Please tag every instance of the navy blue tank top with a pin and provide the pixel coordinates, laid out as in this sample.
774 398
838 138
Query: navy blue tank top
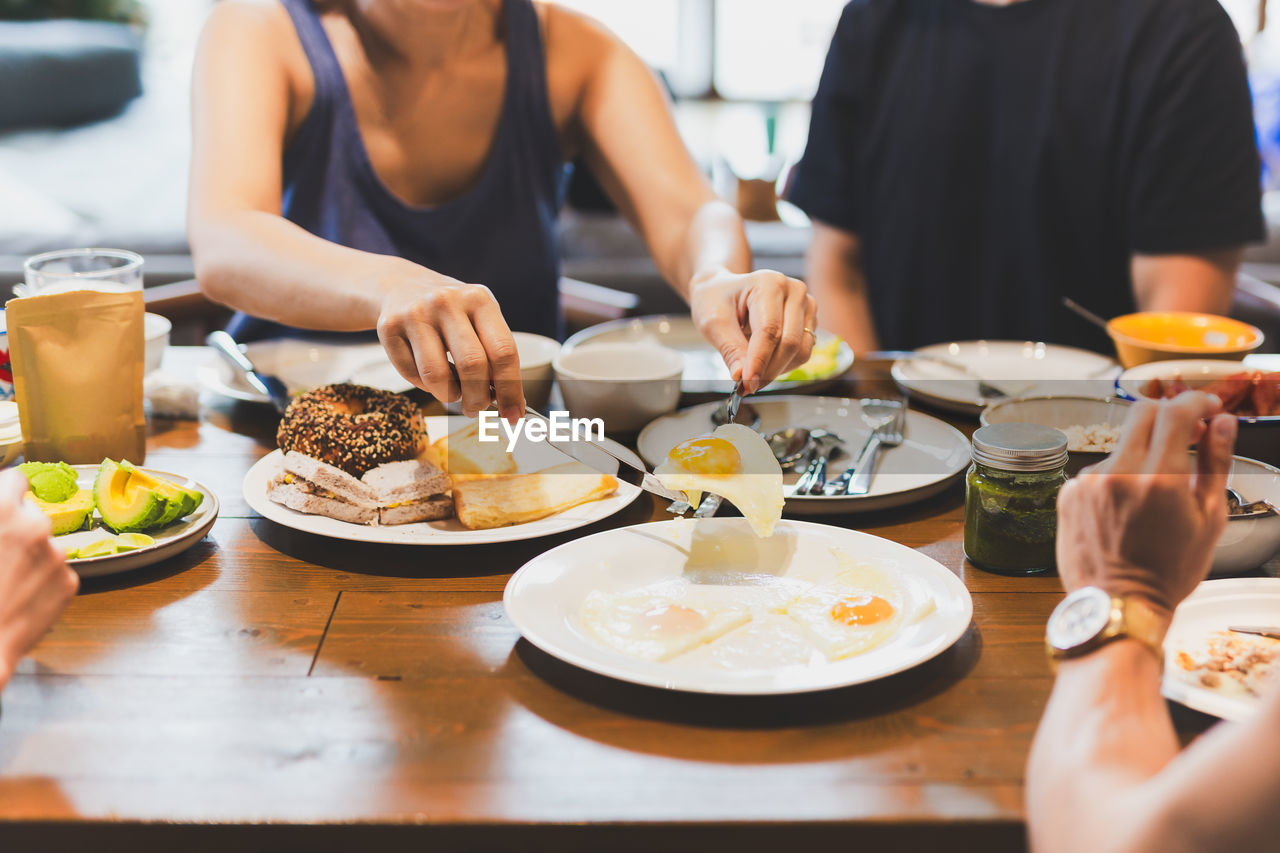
500 233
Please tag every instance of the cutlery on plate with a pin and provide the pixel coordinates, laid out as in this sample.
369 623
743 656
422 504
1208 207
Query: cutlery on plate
1238 508
879 415
264 383
825 445
887 435
1260 630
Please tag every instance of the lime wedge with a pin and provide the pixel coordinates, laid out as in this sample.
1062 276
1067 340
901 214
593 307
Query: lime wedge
98 549
133 541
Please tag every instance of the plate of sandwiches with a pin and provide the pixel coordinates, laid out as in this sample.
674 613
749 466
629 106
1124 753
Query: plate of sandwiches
458 490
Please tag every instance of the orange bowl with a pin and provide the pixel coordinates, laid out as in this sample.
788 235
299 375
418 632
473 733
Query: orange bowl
1160 335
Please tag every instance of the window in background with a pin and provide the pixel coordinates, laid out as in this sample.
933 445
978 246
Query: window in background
770 51
666 34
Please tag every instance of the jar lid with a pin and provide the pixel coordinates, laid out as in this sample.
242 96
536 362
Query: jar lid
1020 447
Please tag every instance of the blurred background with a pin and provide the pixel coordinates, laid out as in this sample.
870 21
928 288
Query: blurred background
94 136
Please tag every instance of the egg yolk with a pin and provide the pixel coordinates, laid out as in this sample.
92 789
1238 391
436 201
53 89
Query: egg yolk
673 619
707 455
861 610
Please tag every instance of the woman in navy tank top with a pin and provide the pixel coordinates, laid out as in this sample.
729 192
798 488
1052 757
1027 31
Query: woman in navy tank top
398 165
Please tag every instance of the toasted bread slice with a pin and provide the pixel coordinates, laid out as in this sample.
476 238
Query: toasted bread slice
497 501
462 452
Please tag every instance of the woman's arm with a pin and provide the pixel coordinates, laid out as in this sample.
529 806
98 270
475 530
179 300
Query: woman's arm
696 240
833 264
249 257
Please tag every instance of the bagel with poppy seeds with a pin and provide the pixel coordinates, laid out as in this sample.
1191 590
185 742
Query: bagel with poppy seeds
354 428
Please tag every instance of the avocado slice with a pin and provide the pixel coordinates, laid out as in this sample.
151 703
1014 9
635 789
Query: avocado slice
101 548
69 515
124 503
183 500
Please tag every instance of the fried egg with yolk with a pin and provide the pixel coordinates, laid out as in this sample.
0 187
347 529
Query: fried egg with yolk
859 609
735 463
657 625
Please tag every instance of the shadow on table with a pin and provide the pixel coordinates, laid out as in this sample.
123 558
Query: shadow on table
857 703
415 561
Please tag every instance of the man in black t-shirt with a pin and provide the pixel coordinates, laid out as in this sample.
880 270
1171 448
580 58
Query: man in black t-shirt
970 163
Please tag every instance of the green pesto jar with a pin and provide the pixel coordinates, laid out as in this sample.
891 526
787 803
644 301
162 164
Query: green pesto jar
1011 498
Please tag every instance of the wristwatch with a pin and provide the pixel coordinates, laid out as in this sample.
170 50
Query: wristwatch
1091 617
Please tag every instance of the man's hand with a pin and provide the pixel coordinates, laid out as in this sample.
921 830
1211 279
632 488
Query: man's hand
35 581
762 322
422 320
1145 520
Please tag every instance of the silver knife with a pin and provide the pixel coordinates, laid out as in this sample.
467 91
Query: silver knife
1260 630
625 470
266 385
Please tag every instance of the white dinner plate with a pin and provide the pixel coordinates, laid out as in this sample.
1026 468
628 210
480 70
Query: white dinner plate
1019 368
529 457
301 365
765 656
704 369
930 457
171 539
1214 606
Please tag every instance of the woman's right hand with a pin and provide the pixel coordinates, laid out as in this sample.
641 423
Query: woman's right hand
35 581
421 321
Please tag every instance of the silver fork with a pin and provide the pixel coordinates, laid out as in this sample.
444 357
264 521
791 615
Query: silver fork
888 435
709 506
825 444
876 414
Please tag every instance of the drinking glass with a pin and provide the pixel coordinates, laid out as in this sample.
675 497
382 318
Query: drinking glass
113 270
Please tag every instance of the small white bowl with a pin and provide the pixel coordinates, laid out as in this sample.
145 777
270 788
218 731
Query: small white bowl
1061 412
1249 542
537 354
155 332
10 433
624 383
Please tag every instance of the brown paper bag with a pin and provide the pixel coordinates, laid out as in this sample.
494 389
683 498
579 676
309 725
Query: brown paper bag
77 375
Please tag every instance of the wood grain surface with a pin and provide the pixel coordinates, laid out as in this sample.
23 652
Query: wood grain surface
270 689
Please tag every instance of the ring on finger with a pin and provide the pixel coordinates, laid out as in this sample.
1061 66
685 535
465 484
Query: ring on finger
811 332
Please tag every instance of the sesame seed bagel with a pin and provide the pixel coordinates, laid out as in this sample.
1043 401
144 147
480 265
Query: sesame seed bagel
352 427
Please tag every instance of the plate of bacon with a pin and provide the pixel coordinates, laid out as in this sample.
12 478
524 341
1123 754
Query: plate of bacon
1249 393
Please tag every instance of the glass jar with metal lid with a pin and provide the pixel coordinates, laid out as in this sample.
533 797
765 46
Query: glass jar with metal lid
1011 497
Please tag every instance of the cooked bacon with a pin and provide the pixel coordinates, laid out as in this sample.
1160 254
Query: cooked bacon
1245 394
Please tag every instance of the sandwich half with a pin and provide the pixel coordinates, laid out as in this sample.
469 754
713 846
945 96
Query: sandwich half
414 490
316 488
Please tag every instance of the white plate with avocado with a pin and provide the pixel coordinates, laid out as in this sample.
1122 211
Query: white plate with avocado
170 538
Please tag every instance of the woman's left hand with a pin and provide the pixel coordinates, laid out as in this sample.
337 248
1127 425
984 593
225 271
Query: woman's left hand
763 323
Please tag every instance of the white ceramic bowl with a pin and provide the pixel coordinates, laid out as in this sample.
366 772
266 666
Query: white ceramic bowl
536 373
155 331
624 383
1257 438
1249 542
1061 412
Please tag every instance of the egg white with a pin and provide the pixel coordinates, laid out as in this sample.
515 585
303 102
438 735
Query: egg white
811 610
619 620
756 490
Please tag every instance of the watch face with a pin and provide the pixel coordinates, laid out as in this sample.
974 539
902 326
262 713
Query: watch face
1080 617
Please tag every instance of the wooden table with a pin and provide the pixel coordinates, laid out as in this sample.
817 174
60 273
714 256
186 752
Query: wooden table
273 689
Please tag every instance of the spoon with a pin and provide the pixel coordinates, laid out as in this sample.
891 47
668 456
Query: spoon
1237 508
789 445
1081 311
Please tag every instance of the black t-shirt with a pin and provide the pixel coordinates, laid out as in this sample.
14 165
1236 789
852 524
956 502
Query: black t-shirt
993 159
